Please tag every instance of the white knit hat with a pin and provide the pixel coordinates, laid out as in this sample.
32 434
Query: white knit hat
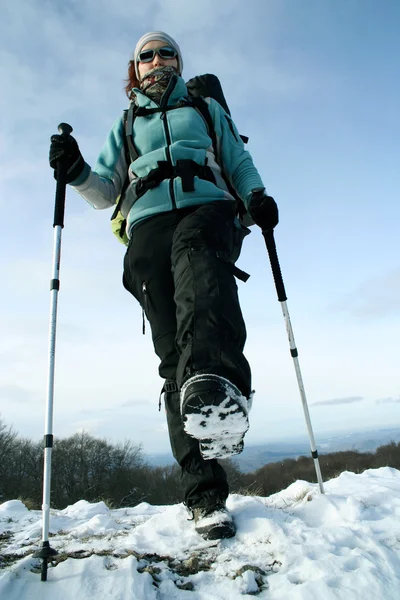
163 37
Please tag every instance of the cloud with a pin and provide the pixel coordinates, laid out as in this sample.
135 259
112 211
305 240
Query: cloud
335 401
388 400
16 393
376 297
132 404
149 430
135 403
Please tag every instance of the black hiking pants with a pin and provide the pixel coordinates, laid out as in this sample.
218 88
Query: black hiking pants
179 266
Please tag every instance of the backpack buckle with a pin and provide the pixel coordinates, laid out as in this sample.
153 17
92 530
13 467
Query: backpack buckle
170 386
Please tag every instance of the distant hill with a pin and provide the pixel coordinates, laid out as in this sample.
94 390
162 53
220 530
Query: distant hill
254 457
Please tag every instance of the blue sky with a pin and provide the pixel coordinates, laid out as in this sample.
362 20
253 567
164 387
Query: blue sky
315 86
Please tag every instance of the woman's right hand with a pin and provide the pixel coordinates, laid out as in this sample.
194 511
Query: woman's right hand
264 210
64 148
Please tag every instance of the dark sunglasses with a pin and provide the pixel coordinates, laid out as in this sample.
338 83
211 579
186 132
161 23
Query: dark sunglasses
166 52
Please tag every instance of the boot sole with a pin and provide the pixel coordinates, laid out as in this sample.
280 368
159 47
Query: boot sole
222 448
218 532
215 413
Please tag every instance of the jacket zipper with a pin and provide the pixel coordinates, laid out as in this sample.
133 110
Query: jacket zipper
145 306
163 116
168 153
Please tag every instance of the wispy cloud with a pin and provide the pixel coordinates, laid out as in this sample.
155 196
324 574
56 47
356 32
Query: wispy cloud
376 297
389 400
127 404
15 393
335 401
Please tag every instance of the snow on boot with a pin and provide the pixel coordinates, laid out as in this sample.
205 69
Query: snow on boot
214 523
221 448
215 413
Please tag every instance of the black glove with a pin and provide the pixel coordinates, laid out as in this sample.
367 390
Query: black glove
64 148
264 210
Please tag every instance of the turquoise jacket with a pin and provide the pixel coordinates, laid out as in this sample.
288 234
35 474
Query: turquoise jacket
176 134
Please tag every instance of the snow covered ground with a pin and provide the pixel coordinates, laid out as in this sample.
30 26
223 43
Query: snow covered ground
297 544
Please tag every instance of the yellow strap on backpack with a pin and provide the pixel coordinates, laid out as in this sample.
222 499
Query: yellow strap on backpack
118 227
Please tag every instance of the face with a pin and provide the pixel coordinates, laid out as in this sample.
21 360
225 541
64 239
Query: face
157 60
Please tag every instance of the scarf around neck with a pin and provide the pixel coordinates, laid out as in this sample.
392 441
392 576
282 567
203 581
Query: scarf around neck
155 82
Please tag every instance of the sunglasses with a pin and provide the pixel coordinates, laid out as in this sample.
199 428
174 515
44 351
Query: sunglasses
166 52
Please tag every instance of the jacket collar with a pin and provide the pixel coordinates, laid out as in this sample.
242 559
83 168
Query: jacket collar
175 91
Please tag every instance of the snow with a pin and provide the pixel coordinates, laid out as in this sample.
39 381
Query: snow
294 545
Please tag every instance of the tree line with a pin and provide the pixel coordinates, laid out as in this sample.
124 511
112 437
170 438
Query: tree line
88 468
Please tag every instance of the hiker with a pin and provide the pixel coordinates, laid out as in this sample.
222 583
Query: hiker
183 240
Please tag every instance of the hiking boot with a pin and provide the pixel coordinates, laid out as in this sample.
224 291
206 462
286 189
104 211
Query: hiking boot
214 523
215 413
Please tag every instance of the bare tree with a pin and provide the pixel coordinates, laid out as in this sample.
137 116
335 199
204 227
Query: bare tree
7 443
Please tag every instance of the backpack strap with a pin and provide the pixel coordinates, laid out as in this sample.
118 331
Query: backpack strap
131 154
128 118
142 111
201 105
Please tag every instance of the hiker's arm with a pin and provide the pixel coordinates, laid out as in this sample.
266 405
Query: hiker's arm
237 161
102 185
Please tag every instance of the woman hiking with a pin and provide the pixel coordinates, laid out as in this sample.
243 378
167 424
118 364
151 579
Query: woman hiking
184 238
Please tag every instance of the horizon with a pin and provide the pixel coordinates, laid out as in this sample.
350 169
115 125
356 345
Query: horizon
301 439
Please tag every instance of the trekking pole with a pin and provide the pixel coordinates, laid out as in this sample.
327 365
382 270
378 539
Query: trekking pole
280 289
46 552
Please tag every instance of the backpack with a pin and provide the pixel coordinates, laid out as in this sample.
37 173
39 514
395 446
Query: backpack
199 87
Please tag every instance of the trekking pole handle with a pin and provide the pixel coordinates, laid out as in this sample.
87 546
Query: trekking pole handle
59 207
65 129
275 266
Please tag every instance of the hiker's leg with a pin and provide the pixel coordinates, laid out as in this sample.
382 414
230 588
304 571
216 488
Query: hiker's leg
201 479
211 331
147 276
148 260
